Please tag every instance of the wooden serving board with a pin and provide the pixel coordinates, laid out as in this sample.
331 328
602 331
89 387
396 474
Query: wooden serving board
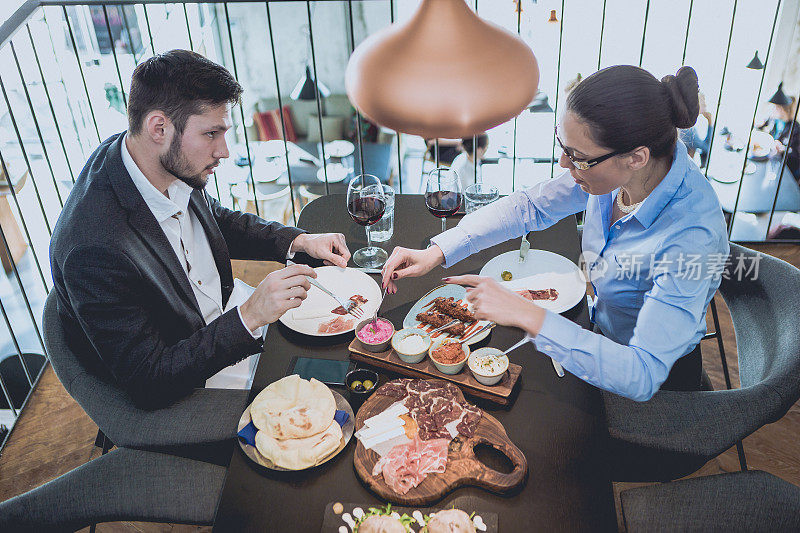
425 369
463 468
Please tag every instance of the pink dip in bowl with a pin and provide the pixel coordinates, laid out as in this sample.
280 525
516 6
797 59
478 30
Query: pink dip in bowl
375 333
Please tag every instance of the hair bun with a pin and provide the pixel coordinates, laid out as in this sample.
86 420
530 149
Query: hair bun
682 90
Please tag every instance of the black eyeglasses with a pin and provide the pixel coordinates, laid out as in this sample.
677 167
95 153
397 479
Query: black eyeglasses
587 164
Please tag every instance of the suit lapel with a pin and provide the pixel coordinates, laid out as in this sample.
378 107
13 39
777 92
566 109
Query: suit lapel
218 246
146 226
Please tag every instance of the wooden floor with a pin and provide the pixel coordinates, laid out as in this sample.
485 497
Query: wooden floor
54 435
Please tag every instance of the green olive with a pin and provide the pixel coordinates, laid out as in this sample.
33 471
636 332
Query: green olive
368 384
506 275
360 387
355 385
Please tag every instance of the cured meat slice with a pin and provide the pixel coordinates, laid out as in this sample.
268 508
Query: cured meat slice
445 411
434 404
407 465
357 298
337 324
538 294
397 388
422 385
468 422
437 433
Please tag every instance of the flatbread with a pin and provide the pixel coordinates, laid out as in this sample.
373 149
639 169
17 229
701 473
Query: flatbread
297 454
293 408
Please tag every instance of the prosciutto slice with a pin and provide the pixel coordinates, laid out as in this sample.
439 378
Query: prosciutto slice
406 465
337 324
540 294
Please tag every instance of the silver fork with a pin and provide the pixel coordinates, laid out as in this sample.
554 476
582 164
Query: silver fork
437 330
524 247
375 318
489 325
349 305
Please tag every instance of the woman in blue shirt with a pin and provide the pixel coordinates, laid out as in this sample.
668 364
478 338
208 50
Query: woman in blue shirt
654 239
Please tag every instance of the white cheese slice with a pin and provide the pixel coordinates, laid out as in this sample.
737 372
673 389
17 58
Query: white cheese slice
382 437
391 412
368 432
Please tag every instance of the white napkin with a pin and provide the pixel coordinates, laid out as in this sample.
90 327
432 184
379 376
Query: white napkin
240 375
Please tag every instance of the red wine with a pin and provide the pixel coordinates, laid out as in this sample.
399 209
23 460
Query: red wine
443 203
366 210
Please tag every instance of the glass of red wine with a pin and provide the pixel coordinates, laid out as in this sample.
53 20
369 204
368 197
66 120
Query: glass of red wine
443 193
366 203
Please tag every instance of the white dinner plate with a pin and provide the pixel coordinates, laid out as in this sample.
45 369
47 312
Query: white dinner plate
456 291
540 270
336 173
268 171
270 149
339 148
343 282
761 144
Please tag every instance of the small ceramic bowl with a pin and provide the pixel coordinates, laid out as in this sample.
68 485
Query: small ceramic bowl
361 374
444 368
487 378
381 346
411 357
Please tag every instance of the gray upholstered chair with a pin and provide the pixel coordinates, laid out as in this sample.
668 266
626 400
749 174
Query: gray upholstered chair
675 433
201 421
740 501
121 485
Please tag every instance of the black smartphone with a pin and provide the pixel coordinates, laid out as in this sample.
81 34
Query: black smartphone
328 371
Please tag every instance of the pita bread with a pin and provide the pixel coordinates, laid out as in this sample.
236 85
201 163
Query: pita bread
293 408
296 454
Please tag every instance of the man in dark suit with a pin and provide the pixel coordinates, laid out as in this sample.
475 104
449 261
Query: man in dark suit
141 254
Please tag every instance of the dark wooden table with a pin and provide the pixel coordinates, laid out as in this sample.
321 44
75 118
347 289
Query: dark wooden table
557 423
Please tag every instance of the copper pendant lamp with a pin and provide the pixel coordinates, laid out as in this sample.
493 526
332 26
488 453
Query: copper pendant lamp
443 73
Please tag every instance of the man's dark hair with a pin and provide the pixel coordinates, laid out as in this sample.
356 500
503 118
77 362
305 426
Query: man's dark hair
180 83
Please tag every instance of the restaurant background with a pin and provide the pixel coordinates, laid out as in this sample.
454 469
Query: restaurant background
65 71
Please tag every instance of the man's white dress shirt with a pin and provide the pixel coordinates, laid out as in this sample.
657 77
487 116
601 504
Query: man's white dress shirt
190 243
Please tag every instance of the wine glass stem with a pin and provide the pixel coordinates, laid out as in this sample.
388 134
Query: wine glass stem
369 236
444 223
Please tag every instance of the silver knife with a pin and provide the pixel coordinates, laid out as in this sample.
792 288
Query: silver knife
524 247
558 368
344 303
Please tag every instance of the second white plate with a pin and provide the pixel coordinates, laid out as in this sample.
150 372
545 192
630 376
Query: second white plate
540 270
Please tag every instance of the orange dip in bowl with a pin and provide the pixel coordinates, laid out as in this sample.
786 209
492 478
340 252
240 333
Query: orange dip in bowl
449 353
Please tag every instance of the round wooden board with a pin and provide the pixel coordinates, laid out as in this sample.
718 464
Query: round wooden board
463 468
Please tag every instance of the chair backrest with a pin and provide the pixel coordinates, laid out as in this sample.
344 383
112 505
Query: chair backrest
65 364
701 425
94 394
763 296
118 416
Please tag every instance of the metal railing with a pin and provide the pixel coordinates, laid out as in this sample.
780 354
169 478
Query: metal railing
71 108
